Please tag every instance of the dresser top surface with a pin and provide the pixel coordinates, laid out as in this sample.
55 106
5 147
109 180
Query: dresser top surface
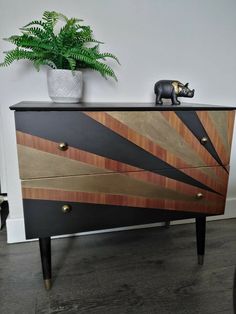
112 106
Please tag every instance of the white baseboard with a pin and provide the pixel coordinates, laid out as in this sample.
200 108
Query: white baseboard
15 230
16 227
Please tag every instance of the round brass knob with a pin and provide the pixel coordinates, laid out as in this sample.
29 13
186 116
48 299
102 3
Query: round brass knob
63 146
66 209
204 140
199 196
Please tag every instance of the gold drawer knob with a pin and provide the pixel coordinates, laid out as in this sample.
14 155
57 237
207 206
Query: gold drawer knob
63 146
204 140
66 209
199 196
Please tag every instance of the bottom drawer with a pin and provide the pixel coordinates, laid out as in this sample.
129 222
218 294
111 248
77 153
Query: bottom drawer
47 218
191 190
120 199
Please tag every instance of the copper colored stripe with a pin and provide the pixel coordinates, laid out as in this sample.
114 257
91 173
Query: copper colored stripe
201 206
230 129
214 136
72 153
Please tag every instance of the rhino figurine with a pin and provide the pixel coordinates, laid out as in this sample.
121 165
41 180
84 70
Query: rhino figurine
171 89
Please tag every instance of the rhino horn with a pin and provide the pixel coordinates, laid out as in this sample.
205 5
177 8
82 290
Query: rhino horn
186 85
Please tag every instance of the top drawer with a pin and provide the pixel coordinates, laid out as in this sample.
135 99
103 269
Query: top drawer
120 141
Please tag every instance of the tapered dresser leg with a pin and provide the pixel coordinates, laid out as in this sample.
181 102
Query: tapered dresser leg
201 235
45 252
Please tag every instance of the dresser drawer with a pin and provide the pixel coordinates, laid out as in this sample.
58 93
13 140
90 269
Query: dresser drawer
103 142
134 189
46 218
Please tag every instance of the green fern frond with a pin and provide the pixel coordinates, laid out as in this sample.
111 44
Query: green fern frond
40 62
35 22
31 42
19 54
108 55
104 69
70 48
95 48
34 31
79 56
63 17
72 63
50 18
13 39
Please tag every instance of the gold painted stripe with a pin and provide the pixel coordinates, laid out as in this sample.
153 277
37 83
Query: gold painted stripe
34 163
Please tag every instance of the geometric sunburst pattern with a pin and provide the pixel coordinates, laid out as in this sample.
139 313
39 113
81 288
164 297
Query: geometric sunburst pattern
141 159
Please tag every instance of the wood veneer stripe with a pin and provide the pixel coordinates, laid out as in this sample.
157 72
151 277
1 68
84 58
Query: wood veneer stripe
200 206
230 129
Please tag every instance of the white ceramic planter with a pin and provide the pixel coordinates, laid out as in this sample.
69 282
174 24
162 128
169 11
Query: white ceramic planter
64 86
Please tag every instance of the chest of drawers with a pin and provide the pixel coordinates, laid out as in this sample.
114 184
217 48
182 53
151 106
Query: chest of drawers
95 166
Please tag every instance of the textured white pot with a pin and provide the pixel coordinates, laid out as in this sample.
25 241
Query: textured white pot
64 85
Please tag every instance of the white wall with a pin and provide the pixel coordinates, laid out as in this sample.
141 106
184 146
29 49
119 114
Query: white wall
188 40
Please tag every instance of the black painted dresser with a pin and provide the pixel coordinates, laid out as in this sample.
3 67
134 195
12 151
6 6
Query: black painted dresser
94 166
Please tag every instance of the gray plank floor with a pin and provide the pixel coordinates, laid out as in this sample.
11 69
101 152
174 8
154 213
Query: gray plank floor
148 271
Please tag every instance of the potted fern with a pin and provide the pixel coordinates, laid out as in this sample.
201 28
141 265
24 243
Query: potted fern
66 51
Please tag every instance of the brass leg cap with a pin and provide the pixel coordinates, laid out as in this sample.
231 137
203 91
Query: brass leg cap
200 259
47 284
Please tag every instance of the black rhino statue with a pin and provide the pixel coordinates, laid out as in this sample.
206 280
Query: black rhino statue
171 90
